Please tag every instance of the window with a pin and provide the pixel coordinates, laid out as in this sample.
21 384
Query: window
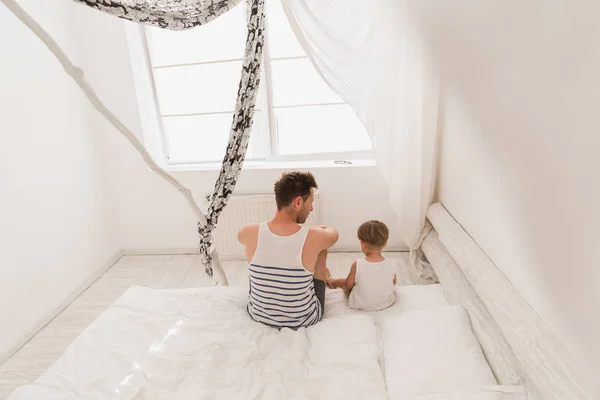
195 81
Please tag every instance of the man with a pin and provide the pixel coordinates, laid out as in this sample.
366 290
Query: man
287 262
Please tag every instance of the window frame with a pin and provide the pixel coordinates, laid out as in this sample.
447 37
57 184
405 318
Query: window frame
265 143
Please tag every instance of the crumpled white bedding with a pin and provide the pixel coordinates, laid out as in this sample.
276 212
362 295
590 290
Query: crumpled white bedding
201 344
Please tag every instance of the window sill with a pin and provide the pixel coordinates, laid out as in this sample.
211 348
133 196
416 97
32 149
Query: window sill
277 164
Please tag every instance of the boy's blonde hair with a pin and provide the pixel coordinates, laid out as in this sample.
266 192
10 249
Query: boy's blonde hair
374 233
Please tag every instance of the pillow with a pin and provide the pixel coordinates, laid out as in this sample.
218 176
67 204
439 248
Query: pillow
481 393
432 351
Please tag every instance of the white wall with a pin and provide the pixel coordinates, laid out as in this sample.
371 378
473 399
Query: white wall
153 216
520 142
56 227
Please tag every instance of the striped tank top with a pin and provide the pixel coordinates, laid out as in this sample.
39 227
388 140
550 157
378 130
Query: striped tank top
282 291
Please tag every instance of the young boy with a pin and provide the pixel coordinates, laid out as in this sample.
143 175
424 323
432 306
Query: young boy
371 281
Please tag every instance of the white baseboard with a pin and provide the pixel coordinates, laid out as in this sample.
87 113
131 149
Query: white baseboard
68 300
160 251
234 257
176 252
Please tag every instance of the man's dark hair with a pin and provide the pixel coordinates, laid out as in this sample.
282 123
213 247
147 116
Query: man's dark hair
292 185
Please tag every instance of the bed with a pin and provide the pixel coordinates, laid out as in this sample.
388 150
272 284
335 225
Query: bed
441 341
200 343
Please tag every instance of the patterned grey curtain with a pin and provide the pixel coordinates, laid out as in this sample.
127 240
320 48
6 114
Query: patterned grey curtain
168 14
186 14
240 129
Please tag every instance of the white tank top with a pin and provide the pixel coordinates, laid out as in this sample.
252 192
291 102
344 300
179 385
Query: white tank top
374 285
282 291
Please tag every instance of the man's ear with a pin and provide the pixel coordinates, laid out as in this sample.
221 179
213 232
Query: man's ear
298 201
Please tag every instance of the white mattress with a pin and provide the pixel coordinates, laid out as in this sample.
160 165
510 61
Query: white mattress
200 343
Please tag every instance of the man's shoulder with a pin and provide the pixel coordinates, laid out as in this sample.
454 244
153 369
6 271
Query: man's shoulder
314 229
251 227
248 232
323 236
316 232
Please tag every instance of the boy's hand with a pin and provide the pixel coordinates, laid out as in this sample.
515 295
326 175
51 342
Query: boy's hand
330 283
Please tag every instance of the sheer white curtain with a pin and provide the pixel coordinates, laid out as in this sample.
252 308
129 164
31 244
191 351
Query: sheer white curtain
369 53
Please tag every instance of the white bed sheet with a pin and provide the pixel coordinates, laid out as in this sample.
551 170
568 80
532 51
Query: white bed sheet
201 344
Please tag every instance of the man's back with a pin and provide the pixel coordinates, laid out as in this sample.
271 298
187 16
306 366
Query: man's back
287 263
316 241
282 291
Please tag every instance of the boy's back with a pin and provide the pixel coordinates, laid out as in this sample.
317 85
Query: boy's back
374 285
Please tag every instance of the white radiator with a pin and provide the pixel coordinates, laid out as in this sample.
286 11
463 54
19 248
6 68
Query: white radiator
247 209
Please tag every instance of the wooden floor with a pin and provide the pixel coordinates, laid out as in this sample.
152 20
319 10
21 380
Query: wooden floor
173 271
